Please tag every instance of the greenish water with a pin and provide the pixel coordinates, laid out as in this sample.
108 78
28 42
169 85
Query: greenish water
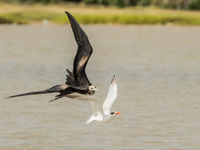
158 96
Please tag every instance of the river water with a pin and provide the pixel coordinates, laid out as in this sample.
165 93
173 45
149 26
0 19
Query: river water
158 72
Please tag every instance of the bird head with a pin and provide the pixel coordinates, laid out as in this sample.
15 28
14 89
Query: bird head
92 89
115 113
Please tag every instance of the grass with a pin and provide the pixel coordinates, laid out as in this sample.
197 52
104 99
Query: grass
20 14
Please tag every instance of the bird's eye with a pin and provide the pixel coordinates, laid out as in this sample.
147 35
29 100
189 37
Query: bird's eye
92 88
112 113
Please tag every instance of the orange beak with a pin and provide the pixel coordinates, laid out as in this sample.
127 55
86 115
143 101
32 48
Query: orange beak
117 113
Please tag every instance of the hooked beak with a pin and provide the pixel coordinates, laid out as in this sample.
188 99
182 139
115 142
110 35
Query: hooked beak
117 113
96 89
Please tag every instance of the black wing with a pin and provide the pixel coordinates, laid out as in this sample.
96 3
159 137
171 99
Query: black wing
82 56
56 88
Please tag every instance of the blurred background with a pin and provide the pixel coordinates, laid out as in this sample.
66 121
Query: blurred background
182 12
173 4
153 48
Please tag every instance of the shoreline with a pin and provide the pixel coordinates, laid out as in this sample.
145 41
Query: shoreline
29 14
108 24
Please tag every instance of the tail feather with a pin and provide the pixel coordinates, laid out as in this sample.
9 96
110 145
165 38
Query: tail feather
57 88
63 93
57 97
91 119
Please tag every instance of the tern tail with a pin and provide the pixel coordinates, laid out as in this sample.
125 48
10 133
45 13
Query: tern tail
56 88
91 119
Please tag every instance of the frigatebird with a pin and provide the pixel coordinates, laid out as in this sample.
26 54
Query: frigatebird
77 80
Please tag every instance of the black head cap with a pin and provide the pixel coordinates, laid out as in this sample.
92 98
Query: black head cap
112 113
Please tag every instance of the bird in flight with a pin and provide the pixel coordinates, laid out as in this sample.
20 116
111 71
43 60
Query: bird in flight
102 112
77 80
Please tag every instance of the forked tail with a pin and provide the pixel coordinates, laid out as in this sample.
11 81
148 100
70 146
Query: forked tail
91 119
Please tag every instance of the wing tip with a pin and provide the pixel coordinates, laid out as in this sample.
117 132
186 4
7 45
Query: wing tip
13 96
5 98
68 14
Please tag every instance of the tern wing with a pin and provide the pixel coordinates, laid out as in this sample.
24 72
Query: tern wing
83 53
95 104
97 112
111 97
96 108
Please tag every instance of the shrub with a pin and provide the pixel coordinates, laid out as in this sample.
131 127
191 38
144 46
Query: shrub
145 2
194 5
90 1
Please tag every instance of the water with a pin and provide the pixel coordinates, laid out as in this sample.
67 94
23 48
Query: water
158 77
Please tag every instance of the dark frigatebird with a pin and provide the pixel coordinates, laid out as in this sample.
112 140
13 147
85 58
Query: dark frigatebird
77 80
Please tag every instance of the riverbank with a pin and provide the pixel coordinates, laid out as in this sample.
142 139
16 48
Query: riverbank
21 14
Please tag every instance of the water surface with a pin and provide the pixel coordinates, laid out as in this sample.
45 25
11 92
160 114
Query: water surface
158 71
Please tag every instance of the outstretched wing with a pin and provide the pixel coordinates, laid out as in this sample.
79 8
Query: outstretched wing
83 54
97 112
56 88
95 106
111 97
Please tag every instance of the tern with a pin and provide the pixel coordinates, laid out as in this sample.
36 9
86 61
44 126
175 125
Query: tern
77 80
102 112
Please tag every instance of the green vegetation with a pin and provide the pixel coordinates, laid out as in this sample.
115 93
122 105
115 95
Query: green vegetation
12 18
133 19
93 14
172 4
